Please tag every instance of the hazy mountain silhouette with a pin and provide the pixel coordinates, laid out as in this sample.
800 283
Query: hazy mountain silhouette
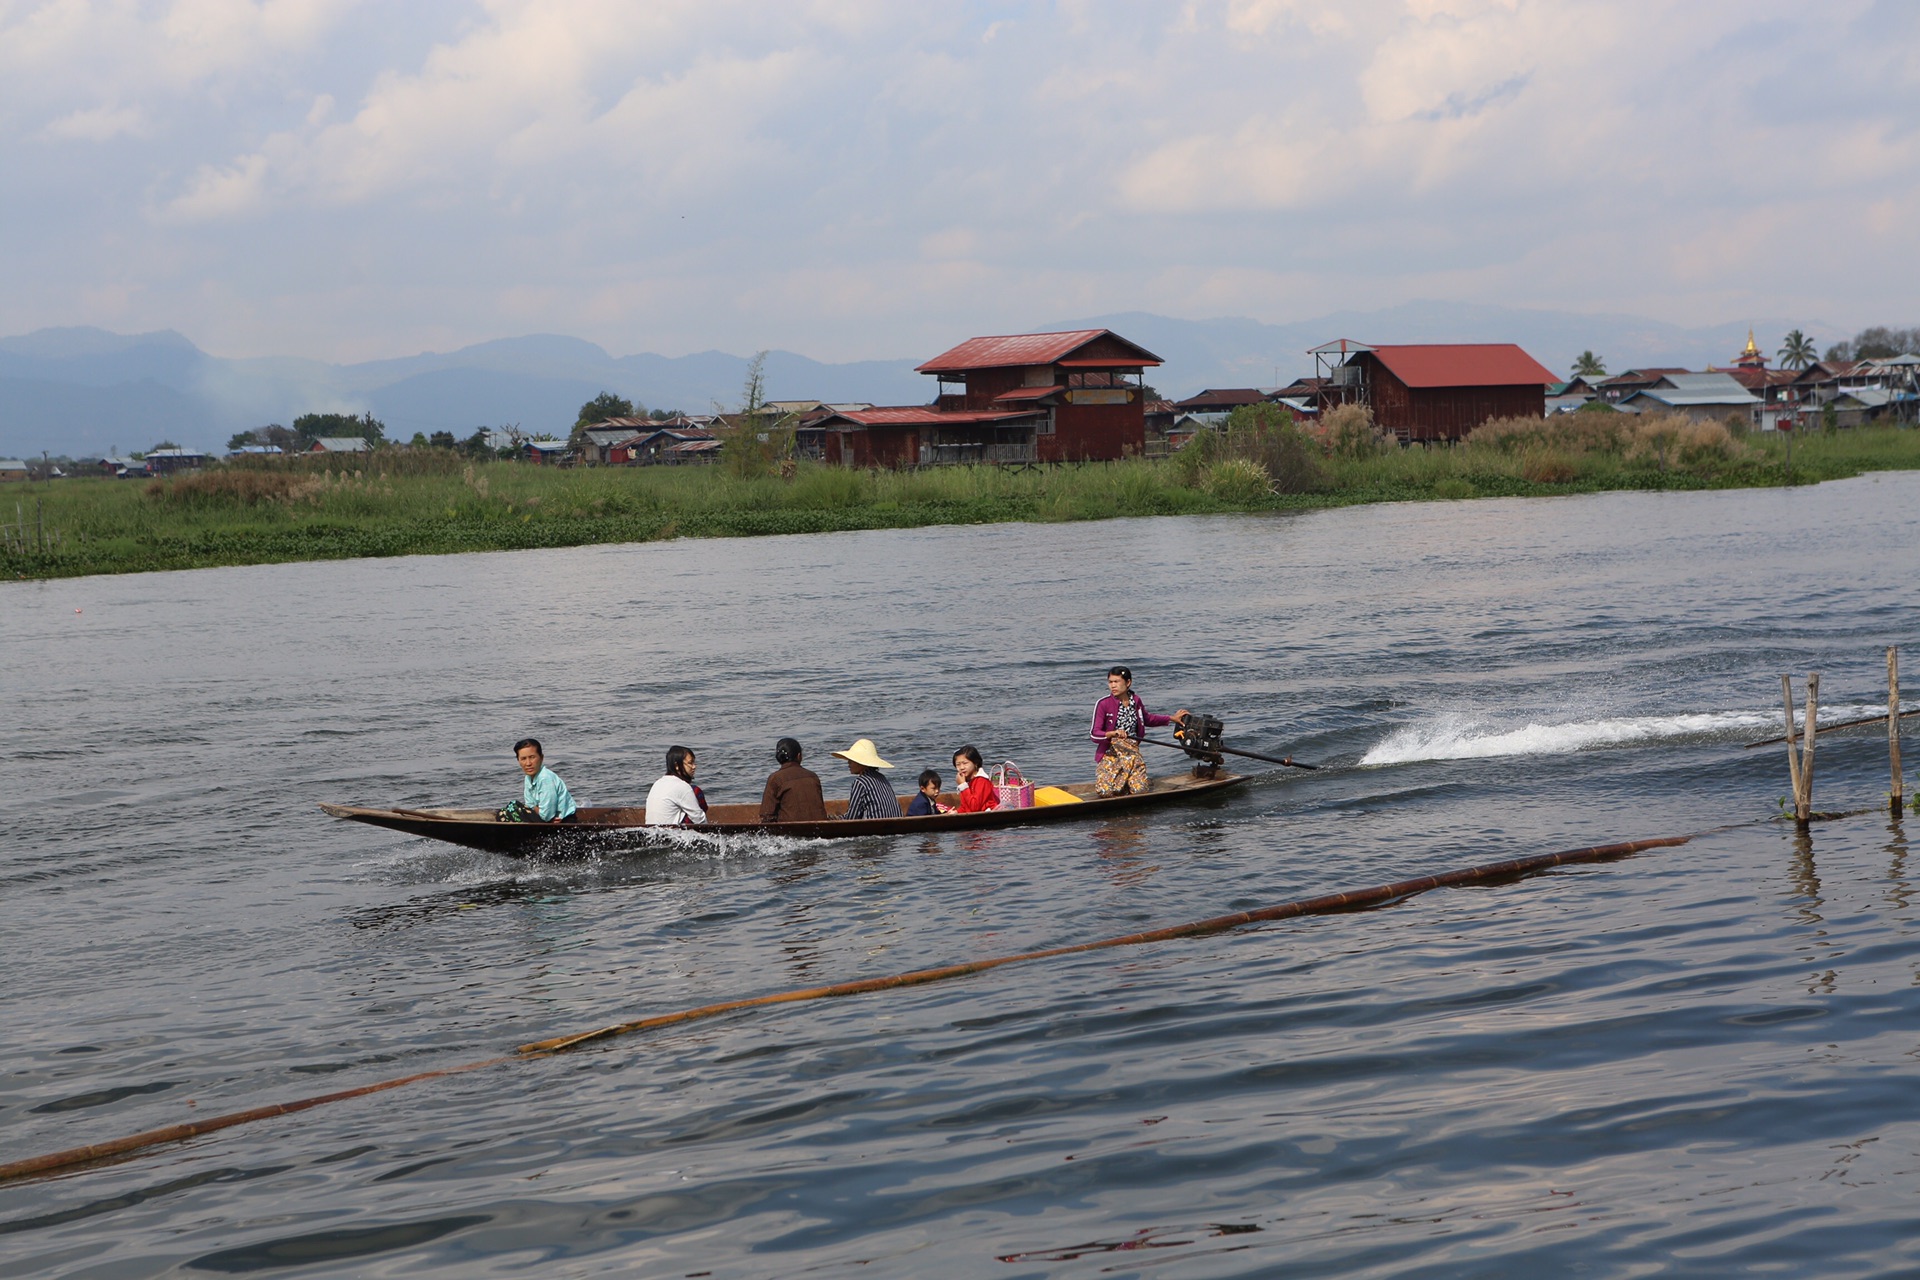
82 391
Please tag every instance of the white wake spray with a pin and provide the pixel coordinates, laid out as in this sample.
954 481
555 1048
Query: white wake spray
1460 736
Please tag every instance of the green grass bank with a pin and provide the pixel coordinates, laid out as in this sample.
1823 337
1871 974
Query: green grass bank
431 502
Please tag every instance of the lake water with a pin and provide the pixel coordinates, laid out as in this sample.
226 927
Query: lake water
1700 1061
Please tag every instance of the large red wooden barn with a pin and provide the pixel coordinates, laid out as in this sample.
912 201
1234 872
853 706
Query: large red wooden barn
1436 391
1030 397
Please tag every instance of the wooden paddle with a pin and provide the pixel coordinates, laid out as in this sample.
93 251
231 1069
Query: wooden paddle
1290 762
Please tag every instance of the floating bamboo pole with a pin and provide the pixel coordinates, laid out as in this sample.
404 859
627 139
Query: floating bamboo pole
1353 900
1829 728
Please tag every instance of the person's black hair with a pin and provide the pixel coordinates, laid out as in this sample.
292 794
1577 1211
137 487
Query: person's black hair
972 753
677 758
786 751
1125 673
926 776
524 743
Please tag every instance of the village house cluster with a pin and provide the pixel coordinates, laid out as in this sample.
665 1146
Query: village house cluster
1442 391
1082 396
1846 393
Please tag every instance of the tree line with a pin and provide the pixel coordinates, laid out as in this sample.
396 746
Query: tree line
1797 350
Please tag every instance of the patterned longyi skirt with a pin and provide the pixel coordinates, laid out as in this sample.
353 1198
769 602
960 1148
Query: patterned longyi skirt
1121 770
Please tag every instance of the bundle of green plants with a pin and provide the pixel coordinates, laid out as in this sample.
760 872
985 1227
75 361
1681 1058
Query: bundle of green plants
1264 435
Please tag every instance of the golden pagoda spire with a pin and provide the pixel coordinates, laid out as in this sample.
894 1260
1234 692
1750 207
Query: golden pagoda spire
1751 350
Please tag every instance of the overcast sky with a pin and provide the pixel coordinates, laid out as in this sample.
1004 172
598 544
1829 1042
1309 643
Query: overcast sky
846 179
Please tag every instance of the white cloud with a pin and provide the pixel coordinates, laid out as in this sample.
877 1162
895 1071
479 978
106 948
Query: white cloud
222 192
98 124
865 177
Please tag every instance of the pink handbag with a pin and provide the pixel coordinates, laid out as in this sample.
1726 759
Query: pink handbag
1015 791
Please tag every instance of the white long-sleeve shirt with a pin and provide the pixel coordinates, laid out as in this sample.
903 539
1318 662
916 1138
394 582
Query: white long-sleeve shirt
672 801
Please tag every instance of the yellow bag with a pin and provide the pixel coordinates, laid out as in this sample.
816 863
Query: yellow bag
1055 795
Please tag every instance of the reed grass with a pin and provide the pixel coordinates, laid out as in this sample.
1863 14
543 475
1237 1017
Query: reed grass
430 501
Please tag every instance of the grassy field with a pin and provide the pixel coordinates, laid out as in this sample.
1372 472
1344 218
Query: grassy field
427 502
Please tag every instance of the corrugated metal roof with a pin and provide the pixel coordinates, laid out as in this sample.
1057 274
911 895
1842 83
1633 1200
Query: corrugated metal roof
926 416
1223 397
1004 350
1738 398
1702 384
1636 377
1871 397
1028 393
1468 364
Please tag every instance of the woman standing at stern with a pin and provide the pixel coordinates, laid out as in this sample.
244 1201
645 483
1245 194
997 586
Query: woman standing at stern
1119 720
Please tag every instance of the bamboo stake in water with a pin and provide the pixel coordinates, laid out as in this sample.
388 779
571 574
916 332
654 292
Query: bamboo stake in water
1803 775
1793 748
1893 727
1800 763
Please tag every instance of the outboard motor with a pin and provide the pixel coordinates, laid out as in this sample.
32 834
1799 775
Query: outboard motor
1200 735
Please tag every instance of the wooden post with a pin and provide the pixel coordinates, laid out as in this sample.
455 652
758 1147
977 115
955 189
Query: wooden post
1803 809
1897 796
1800 762
1793 746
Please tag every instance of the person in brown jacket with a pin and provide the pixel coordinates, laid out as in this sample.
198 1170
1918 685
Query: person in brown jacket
793 791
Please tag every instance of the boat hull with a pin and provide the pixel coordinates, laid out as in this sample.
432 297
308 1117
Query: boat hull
623 829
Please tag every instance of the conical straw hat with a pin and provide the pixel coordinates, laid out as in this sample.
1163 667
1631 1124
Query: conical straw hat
862 752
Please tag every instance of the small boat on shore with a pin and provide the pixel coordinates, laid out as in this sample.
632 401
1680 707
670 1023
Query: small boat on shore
618 829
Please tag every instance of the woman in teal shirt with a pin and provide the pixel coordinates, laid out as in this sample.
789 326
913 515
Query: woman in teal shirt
542 793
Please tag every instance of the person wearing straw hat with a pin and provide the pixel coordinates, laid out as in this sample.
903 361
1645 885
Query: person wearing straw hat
872 795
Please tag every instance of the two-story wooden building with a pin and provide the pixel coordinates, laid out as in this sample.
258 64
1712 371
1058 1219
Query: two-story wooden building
1088 383
1032 397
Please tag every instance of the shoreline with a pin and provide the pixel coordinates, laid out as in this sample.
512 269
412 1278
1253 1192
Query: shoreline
82 527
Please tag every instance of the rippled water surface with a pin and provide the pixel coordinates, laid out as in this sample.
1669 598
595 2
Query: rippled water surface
1698 1061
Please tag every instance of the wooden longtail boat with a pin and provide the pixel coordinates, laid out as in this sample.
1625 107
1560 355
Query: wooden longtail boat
617 829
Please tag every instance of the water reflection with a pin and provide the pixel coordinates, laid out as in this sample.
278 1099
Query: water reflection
1124 853
1899 892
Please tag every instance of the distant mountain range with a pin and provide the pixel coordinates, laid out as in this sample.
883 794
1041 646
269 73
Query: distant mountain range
86 391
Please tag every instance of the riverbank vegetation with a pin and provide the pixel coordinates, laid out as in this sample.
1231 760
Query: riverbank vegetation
425 501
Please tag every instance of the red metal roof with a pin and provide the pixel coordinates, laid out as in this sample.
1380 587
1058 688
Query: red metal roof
1222 398
924 416
1467 364
1639 377
1006 350
1027 393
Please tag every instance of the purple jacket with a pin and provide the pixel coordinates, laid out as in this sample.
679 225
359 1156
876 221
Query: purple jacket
1106 714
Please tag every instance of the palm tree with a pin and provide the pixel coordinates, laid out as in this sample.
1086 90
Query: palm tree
1589 365
1797 351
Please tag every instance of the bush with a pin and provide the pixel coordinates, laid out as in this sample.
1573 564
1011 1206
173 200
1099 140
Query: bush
1239 482
234 488
1267 435
1547 466
1348 431
1707 442
1568 433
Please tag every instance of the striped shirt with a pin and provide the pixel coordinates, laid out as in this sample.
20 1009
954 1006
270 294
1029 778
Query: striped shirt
872 797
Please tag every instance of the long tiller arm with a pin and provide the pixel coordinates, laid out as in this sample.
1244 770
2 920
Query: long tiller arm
1200 738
